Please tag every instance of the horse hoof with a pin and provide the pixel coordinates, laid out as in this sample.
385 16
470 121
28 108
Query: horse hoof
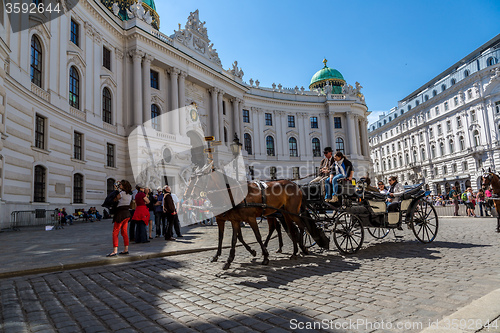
265 262
226 266
253 253
214 259
279 251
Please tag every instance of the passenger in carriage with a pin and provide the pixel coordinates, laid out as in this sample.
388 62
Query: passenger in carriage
381 188
396 190
325 165
341 169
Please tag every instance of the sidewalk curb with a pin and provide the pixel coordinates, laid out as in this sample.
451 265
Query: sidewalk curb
103 262
482 310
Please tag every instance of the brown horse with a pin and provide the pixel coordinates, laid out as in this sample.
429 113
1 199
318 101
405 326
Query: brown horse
229 203
493 180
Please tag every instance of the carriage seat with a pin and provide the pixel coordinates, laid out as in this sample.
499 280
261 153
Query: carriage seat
375 196
411 191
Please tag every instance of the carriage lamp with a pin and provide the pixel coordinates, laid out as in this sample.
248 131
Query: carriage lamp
236 146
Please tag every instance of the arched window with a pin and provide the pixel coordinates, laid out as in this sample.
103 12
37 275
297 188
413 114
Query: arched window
423 154
394 162
452 147
414 156
417 103
400 160
407 158
466 73
491 61
339 145
247 139
292 146
433 151
461 141
316 147
270 146
110 186
434 93
78 188
155 113
426 98
36 61
384 165
409 107
441 149
74 88
106 106
443 87
389 163
477 138
39 184
453 81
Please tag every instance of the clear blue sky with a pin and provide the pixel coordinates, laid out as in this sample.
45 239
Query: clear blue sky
390 47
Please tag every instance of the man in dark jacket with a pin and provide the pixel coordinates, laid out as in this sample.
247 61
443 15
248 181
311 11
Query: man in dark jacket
170 212
325 165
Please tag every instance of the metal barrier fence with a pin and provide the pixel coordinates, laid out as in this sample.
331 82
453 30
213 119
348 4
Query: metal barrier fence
449 210
32 218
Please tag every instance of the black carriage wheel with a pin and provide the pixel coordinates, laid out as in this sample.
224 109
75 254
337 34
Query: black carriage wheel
348 233
308 241
378 233
424 221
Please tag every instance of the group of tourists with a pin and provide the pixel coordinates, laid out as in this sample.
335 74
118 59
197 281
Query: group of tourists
141 208
481 198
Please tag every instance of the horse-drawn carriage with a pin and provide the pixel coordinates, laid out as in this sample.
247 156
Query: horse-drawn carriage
358 210
305 214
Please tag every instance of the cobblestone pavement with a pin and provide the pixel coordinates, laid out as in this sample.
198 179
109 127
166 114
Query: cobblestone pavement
389 282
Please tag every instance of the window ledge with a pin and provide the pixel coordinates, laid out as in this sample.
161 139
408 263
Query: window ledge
110 168
78 161
43 151
39 203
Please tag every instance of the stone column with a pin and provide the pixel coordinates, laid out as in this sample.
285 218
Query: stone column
236 107
214 115
137 85
358 135
174 119
351 134
283 140
366 144
146 72
220 118
240 119
118 110
303 136
182 102
330 131
257 139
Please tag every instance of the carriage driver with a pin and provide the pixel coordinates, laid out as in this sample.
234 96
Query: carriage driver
341 168
325 165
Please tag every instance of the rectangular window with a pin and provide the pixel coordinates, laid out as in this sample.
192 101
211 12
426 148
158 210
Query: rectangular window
224 107
106 57
246 116
497 106
295 171
469 94
337 121
437 110
291 121
40 132
455 101
446 106
448 126
110 155
155 80
314 122
459 122
77 146
75 33
269 119
440 130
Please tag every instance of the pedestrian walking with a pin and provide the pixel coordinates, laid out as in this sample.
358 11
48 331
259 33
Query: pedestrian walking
177 223
469 203
170 212
122 216
141 215
454 195
480 199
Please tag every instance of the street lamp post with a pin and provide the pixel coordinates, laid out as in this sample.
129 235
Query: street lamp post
236 150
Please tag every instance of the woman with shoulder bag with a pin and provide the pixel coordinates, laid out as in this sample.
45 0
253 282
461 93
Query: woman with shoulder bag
122 216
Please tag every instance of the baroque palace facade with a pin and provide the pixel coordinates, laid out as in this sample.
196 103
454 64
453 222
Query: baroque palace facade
72 90
447 131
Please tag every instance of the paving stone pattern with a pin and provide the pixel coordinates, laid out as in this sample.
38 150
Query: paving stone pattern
391 280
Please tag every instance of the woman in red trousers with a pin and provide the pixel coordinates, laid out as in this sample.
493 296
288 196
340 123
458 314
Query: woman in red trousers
141 215
121 216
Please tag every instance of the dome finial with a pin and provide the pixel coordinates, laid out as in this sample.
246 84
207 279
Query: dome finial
325 61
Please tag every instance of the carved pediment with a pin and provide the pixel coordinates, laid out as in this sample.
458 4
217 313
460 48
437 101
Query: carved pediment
108 80
195 36
76 58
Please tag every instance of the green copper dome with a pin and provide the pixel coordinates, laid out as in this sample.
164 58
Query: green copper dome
327 75
124 5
